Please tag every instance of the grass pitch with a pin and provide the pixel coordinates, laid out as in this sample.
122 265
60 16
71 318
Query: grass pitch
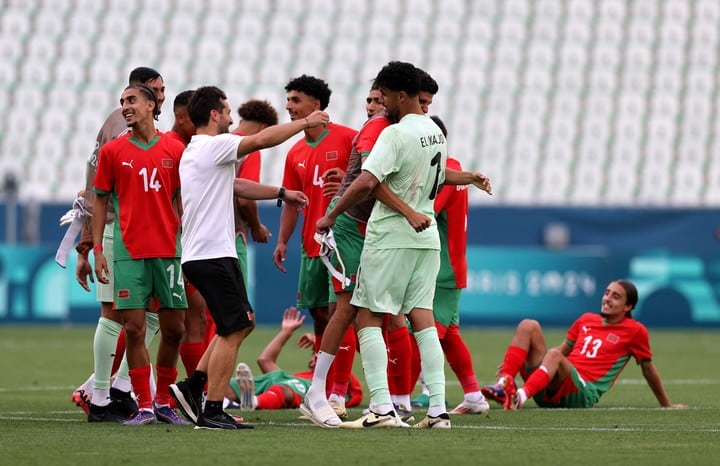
40 366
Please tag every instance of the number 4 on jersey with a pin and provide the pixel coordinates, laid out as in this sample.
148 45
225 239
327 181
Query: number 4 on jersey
153 183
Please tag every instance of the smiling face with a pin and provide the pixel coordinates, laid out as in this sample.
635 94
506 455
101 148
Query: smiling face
224 117
614 303
136 107
299 105
158 85
374 103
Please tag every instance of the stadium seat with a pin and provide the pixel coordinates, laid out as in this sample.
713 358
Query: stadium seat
32 99
687 185
69 74
36 70
15 23
83 23
520 184
411 50
111 48
586 185
78 48
58 97
41 47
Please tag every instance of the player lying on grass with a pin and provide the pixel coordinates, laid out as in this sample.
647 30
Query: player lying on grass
276 388
586 365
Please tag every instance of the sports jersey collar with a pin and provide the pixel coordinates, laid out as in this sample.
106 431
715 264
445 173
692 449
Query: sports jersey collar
142 145
318 140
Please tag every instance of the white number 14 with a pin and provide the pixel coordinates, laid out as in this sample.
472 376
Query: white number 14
153 183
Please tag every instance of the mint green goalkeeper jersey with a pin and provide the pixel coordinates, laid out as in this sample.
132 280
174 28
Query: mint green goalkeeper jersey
410 156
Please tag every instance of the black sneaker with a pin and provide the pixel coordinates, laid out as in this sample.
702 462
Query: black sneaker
109 413
124 402
220 421
188 403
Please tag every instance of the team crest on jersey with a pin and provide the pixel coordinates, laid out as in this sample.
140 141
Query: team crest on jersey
612 338
332 155
167 163
123 294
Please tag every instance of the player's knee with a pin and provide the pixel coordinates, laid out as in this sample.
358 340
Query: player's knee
528 326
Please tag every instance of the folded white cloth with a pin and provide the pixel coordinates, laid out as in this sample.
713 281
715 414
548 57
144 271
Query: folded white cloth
76 217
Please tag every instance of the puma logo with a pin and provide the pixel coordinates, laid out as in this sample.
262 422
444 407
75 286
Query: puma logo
585 329
128 164
301 164
175 295
393 361
344 348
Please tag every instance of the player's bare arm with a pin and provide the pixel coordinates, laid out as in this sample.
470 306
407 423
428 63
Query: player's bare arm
417 220
291 321
652 377
98 223
274 135
358 190
477 179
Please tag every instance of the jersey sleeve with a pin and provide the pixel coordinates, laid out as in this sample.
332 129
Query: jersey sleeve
226 148
572 333
640 345
369 135
250 168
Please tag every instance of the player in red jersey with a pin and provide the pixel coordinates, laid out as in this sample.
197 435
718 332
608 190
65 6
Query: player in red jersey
139 171
109 403
320 150
183 128
585 366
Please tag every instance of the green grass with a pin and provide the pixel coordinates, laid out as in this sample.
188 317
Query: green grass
40 366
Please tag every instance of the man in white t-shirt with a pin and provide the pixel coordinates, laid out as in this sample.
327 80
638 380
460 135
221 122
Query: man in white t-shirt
209 259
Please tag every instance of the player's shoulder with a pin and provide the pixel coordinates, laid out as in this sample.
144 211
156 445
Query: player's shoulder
341 129
454 164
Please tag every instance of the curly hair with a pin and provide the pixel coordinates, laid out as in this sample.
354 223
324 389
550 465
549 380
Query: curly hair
399 76
258 110
312 86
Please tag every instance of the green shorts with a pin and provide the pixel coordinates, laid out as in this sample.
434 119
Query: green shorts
106 292
573 393
138 280
242 254
446 306
350 236
314 287
396 281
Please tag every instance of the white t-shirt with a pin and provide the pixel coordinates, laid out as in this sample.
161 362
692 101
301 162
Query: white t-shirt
207 171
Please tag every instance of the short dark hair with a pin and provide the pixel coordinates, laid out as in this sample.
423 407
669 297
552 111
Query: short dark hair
312 86
258 110
631 292
182 99
427 83
399 76
204 100
440 123
142 75
149 94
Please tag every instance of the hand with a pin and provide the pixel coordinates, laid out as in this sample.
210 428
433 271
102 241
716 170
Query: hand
317 118
333 174
482 182
84 271
330 188
279 256
260 234
419 221
306 341
292 319
297 199
324 224
101 268
677 406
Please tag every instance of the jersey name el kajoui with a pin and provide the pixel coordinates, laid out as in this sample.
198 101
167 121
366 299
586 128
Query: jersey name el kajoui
600 351
451 207
305 163
142 180
410 156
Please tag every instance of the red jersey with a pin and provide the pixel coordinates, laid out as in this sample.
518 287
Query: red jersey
305 163
142 181
451 207
177 137
600 351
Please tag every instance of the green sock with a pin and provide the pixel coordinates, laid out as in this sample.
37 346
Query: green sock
432 362
106 336
374 361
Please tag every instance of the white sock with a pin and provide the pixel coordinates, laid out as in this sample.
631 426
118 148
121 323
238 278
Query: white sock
401 400
101 396
474 397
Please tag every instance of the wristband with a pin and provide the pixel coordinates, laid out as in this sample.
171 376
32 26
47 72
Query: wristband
97 248
281 195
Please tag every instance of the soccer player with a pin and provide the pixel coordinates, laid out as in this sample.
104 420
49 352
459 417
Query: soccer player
586 364
183 129
321 149
209 258
139 171
451 207
410 156
276 388
108 351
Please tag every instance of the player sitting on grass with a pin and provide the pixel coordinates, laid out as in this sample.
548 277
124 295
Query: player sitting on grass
585 366
276 388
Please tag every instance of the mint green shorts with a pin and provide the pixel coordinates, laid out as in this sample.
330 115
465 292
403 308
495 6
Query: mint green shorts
396 281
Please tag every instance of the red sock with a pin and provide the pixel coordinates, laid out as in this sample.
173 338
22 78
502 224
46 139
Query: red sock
140 379
538 380
459 358
399 356
343 363
165 376
273 398
119 351
514 360
190 353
